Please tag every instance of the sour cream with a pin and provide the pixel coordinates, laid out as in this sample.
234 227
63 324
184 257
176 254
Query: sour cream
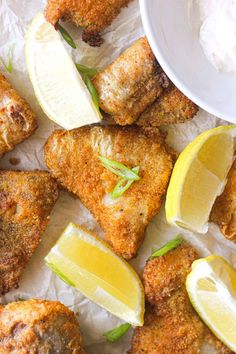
217 31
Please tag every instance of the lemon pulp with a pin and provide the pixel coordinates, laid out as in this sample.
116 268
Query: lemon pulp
58 85
94 269
199 177
211 286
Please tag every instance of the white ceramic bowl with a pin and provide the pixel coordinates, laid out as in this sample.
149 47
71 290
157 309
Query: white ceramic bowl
179 52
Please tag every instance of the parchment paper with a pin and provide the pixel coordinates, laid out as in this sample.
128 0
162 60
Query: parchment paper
38 281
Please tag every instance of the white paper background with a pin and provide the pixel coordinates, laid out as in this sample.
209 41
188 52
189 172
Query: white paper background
37 280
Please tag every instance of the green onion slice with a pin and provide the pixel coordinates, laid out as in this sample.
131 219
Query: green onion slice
90 72
92 90
87 74
116 333
123 185
119 169
167 247
9 65
60 275
67 37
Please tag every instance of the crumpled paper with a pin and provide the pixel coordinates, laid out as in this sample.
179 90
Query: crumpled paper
38 281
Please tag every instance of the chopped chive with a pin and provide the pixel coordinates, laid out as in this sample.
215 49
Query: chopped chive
123 185
67 37
9 65
92 90
87 74
60 275
90 72
167 247
21 299
119 169
116 333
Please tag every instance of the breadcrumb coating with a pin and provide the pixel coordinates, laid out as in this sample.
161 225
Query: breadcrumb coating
134 89
171 324
131 83
17 120
26 200
39 326
171 107
224 209
72 157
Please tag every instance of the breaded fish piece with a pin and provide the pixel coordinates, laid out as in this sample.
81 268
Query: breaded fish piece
131 83
171 324
93 15
224 209
73 158
171 107
39 326
26 200
17 120
134 88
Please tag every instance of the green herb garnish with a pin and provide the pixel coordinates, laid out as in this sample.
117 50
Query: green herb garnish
90 72
21 299
116 333
67 37
60 275
92 90
128 176
9 65
87 74
123 185
167 247
119 169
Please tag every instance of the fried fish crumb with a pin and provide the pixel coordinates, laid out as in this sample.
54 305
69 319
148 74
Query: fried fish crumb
17 120
172 107
39 326
131 83
171 324
224 209
26 200
73 159
134 89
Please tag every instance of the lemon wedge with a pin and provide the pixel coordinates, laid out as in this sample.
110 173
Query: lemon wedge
58 86
199 177
211 286
84 261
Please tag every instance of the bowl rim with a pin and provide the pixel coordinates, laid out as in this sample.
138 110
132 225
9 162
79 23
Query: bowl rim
144 9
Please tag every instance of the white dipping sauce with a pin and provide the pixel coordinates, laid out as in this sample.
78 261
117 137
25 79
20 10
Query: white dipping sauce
217 31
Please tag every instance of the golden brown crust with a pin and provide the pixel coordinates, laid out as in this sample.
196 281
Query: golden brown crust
224 209
17 121
164 275
171 324
39 326
130 84
93 15
134 88
171 107
26 200
72 158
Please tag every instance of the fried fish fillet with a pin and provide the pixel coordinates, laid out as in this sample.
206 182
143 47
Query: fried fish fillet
224 209
39 326
17 120
93 15
171 107
73 158
171 324
134 88
131 83
26 200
